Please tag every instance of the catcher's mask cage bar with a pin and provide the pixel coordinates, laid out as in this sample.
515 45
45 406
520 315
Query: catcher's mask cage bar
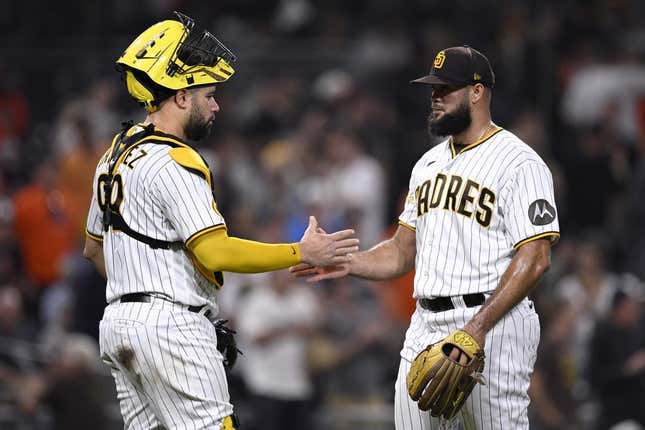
196 48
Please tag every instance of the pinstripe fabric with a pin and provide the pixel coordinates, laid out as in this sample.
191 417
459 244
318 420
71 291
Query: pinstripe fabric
511 350
470 211
456 254
164 360
175 377
165 201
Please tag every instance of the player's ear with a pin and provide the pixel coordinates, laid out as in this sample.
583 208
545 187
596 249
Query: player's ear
182 98
477 93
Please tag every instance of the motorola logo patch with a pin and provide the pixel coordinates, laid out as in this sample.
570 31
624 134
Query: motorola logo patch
541 212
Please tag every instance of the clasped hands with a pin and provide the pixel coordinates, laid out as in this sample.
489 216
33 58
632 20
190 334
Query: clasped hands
320 250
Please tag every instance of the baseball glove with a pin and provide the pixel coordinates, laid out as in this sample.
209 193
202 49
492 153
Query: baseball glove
226 343
441 384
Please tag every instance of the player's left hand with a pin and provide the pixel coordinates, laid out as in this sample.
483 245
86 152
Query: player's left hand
444 374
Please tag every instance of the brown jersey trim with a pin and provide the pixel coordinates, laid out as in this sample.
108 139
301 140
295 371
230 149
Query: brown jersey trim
93 236
474 144
408 226
554 235
204 231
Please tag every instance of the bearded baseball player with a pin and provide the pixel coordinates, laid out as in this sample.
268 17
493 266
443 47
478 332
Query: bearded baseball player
155 232
478 225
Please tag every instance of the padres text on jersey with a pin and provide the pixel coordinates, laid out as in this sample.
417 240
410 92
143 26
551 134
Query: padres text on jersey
472 209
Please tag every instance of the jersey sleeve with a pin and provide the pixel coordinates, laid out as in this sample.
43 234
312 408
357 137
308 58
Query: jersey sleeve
187 201
528 204
94 224
408 217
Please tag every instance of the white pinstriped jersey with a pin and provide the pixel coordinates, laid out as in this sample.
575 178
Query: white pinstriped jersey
471 210
165 201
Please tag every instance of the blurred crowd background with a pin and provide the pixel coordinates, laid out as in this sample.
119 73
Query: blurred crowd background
319 119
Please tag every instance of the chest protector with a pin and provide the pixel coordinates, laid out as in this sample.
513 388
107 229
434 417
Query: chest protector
183 154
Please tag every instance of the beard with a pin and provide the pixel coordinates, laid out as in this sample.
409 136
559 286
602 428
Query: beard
197 127
451 123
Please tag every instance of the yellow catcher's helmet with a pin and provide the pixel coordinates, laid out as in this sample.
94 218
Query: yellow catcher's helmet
169 56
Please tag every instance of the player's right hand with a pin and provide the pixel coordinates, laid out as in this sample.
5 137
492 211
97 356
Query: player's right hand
317 273
318 248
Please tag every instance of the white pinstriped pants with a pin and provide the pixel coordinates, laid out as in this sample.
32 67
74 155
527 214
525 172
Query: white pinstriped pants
166 366
501 404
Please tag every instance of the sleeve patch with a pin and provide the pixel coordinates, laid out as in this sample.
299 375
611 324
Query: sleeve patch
541 212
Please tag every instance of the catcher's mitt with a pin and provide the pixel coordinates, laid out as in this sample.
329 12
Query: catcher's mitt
226 343
441 384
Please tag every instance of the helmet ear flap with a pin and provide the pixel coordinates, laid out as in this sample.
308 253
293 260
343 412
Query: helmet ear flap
140 92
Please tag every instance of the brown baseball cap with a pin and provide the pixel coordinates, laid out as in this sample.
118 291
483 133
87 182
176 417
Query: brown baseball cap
459 65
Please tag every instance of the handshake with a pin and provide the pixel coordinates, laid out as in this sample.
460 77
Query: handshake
323 255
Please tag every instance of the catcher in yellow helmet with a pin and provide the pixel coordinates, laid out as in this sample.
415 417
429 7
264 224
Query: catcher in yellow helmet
155 232
171 55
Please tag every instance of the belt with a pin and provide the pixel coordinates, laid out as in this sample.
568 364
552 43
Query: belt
441 304
147 298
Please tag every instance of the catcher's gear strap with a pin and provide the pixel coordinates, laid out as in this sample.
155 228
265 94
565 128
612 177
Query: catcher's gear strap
122 144
219 252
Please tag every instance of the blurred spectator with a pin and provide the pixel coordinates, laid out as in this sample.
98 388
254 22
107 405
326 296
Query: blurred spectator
354 358
14 112
88 118
99 114
586 297
595 87
274 326
553 405
43 225
45 233
75 170
56 312
346 353
632 230
88 296
593 181
9 254
552 402
355 186
618 363
17 333
18 356
333 87
383 48
71 386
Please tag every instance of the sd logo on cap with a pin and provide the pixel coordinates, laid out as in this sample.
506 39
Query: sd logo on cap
459 65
